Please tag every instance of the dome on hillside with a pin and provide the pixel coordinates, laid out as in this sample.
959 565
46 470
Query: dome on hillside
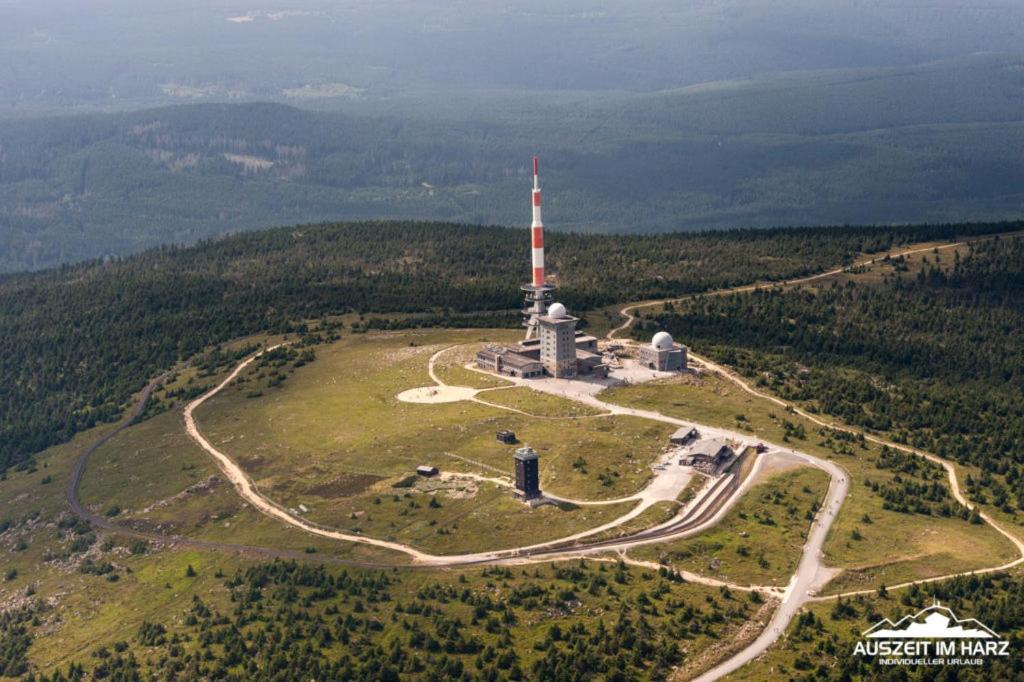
662 341
557 311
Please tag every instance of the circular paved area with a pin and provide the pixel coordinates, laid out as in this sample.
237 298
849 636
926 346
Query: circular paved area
437 394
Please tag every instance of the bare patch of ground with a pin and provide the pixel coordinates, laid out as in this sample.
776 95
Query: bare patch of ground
728 644
204 487
251 164
437 394
314 91
452 485
779 462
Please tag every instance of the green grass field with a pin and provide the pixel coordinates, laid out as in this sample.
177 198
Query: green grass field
334 438
451 364
759 541
656 514
145 465
538 404
454 522
340 416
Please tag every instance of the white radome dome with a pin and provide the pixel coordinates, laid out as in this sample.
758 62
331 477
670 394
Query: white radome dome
662 341
557 311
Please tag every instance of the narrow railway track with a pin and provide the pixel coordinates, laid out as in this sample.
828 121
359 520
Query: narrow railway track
692 519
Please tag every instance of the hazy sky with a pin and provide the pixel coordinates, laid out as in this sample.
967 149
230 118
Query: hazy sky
117 52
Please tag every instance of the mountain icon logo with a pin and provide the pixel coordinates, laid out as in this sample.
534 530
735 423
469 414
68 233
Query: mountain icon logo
932 622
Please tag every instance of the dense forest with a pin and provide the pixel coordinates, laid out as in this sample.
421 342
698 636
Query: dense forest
79 340
801 149
934 358
578 621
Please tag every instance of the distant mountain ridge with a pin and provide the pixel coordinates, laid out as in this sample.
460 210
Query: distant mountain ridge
930 143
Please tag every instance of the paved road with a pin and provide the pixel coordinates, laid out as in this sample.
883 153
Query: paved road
805 575
811 575
702 515
248 490
954 483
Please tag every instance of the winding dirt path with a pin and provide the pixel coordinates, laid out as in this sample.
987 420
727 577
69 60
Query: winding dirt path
627 312
949 467
733 377
247 488
249 492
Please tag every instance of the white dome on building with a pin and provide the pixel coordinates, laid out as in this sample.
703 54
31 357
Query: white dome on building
557 311
662 341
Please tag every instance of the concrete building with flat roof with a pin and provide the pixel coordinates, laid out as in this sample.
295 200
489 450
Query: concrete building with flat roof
590 363
584 342
558 342
505 360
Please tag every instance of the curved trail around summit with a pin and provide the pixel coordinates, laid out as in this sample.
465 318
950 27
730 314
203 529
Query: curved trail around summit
950 469
627 311
247 488
789 608
697 519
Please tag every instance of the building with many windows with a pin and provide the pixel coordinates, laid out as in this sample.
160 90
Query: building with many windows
558 342
527 473
559 351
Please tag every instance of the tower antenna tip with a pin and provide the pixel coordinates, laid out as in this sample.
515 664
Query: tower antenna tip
536 165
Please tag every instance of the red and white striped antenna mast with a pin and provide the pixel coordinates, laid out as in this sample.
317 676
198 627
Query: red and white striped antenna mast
539 293
537 228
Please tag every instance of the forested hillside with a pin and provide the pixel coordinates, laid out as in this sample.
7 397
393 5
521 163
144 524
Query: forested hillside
938 144
79 340
935 357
